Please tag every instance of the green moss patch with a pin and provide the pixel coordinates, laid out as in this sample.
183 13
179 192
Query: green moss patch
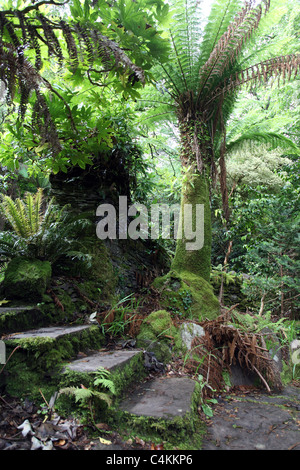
20 319
26 279
187 295
232 288
159 335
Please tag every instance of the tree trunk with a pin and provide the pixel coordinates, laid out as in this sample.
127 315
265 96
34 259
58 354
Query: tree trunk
196 158
197 261
189 276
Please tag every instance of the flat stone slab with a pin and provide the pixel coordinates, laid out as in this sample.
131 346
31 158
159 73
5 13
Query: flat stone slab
4 310
164 397
256 422
51 332
108 360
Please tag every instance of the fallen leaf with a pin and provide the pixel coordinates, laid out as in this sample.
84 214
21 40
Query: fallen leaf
104 441
25 428
103 426
60 443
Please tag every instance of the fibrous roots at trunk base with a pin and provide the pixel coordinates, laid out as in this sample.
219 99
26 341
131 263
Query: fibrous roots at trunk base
224 345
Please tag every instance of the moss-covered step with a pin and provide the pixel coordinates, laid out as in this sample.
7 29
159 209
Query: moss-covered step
164 409
20 318
52 332
38 356
126 367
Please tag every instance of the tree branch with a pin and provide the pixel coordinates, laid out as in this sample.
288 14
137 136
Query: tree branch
36 6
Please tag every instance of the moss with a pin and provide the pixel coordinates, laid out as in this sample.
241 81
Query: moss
21 319
289 372
232 288
195 190
42 358
26 279
101 272
125 376
159 335
180 433
187 295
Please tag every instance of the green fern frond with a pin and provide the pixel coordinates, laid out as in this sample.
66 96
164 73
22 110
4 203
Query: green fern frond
106 383
11 213
80 394
85 394
102 379
271 138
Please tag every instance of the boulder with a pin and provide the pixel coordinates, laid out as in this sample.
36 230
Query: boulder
26 279
189 331
159 335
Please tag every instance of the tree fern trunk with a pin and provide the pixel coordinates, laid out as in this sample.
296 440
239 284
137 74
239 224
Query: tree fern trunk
195 158
197 261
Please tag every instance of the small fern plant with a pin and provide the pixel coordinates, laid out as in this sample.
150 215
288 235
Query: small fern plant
88 397
41 230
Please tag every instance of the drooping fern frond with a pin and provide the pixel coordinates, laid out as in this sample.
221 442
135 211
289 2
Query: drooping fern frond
281 68
24 37
273 139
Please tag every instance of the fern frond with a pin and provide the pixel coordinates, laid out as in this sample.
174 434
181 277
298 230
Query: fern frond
230 44
11 213
81 394
102 379
271 138
281 67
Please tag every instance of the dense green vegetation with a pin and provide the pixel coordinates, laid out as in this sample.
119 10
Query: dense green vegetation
178 102
73 97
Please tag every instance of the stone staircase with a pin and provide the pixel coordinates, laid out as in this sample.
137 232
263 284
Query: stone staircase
43 360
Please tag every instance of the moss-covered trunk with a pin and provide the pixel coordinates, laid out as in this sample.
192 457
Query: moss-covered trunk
196 159
194 255
189 277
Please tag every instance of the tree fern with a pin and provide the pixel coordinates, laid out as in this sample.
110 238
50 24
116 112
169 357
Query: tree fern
209 62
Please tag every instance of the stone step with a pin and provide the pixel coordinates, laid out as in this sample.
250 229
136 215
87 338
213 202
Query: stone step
109 360
20 318
52 332
125 366
40 354
164 397
165 406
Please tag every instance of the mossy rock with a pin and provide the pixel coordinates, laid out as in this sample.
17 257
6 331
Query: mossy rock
187 295
26 279
21 318
159 335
